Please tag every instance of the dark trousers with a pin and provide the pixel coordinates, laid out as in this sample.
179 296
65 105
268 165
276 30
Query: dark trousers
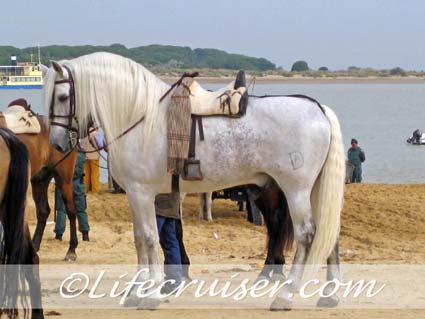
183 253
80 205
170 246
357 174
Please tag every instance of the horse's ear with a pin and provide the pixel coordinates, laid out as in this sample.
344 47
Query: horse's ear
57 68
43 69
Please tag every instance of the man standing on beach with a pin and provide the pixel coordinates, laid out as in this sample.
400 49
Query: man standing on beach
356 156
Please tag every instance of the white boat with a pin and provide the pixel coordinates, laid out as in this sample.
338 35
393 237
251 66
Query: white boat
23 75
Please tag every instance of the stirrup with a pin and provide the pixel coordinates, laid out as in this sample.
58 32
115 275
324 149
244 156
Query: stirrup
192 170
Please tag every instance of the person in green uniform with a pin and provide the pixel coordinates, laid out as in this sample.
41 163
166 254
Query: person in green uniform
356 156
79 200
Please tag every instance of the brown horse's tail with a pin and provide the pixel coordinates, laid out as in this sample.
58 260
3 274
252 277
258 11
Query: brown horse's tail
13 245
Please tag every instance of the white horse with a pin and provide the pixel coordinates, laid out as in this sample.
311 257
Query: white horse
289 139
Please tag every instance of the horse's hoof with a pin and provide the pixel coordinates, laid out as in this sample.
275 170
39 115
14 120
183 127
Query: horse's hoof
148 304
278 278
328 302
280 304
71 257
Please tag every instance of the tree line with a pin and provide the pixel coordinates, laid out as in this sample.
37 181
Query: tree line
152 55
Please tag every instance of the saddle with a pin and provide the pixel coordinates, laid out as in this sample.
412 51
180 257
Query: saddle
189 103
229 101
20 119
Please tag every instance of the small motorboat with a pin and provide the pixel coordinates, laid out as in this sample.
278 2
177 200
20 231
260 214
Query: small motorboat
418 138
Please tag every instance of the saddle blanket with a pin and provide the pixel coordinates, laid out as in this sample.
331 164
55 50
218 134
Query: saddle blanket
21 121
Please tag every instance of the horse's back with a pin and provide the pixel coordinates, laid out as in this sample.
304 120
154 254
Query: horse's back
277 136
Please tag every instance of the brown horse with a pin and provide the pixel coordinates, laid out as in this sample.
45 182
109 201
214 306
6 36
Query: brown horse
16 249
280 231
271 201
48 163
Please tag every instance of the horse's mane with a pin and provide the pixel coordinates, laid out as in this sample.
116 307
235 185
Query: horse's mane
116 91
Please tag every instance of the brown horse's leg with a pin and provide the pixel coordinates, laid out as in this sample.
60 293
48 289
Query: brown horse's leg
65 186
274 207
39 194
32 276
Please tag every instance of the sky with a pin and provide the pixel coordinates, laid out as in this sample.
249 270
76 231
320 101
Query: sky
332 33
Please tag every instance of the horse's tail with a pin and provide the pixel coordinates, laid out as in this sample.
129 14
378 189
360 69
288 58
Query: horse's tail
13 208
328 196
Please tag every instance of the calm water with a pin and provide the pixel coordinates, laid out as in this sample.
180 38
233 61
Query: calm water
380 116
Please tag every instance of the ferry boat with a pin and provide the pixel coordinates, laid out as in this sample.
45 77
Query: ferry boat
23 75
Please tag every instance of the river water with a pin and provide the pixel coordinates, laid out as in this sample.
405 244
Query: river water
379 116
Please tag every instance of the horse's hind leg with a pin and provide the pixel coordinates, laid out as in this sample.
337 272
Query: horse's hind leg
32 276
304 230
208 200
39 194
332 273
205 206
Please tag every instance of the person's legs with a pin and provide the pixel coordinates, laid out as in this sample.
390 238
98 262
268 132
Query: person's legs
171 248
81 207
60 224
94 178
87 175
357 176
184 257
160 223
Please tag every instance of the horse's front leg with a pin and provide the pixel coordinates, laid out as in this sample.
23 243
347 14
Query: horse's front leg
39 194
147 242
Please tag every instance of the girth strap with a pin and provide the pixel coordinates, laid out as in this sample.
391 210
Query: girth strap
196 119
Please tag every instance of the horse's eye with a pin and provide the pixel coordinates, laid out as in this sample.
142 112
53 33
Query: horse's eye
63 98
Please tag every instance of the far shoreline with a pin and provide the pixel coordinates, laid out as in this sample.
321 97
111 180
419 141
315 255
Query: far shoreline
306 80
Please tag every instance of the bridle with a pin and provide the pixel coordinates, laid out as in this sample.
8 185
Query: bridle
73 132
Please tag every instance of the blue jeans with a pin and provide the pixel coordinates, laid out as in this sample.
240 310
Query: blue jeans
170 246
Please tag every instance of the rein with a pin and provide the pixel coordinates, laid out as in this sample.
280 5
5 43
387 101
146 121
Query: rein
105 146
179 82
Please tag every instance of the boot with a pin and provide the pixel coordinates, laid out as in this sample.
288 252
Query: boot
86 236
58 237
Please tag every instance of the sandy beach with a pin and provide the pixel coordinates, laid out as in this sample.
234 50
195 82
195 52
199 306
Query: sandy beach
380 224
